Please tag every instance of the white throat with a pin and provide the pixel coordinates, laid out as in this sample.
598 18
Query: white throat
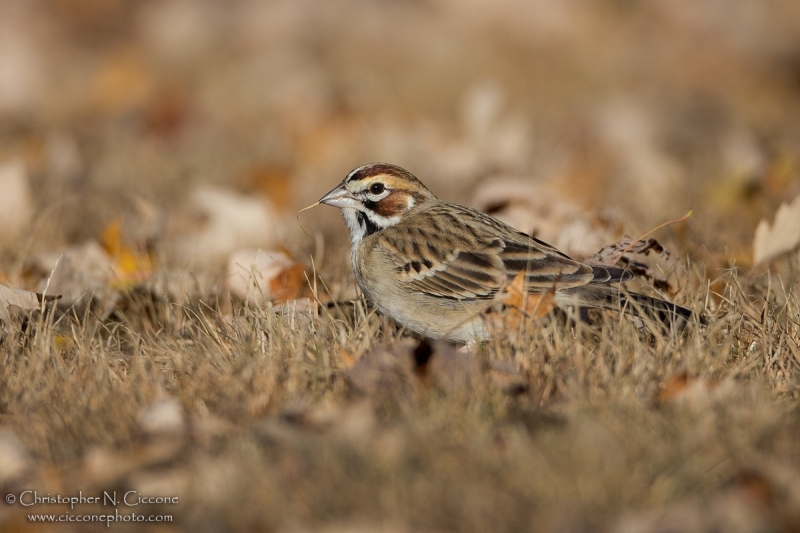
364 223
358 230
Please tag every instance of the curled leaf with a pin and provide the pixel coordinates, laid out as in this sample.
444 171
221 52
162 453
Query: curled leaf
610 255
781 237
516 306
257 276
619 254
9 296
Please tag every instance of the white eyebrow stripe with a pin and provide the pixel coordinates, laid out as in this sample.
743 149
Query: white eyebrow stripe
353 172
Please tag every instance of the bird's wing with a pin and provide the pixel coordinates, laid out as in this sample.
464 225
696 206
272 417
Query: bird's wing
457 253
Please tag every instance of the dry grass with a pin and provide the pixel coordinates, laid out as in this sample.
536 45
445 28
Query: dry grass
585 436
266 419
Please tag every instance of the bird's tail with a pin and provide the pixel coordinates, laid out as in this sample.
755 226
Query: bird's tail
605 296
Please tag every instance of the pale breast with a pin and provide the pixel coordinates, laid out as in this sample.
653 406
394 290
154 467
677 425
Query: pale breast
428 315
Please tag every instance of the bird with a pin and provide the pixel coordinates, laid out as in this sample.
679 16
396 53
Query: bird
437 268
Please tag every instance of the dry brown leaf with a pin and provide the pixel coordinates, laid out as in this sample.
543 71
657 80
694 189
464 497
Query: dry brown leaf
610 255
257 276
695 394
673 387
105 466
130 264
532 305
164 417
617 254
81 274
9 296
230 221
289 283
14 458
16 202
176 481
779 238
517 306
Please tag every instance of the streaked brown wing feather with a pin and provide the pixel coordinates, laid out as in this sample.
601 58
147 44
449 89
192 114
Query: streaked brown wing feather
544 270
454 252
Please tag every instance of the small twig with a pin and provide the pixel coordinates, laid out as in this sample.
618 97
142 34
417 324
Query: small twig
315 204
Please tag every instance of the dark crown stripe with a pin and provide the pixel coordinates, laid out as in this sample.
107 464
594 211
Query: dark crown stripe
375 169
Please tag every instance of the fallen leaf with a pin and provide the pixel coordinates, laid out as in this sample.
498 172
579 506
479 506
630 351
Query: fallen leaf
184 285
82 275
164 417
129 264
515 306
144 226
610 255
618 254
673 387
347 358
230 221
14 458
695 394
289 283
756 486
781 237
16 203
257 276
25 300
104 466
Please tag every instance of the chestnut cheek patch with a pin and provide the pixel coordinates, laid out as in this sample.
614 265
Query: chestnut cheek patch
392 205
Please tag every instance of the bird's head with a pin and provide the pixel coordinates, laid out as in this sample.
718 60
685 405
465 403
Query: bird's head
377 196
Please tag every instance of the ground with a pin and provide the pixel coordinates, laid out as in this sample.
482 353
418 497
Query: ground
148 149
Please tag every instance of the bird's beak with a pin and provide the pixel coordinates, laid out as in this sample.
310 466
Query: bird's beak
340 197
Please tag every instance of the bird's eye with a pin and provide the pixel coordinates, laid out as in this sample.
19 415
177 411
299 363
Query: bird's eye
377 188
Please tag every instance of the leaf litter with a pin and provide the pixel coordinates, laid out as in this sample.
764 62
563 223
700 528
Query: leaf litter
153 375
780 237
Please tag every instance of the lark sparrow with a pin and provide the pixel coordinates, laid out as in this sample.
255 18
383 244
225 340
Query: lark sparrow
436 267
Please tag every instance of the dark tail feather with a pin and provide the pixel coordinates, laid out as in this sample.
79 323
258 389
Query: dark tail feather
600 295
661 310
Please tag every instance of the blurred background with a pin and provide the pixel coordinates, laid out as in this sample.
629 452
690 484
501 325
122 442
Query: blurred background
618 114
